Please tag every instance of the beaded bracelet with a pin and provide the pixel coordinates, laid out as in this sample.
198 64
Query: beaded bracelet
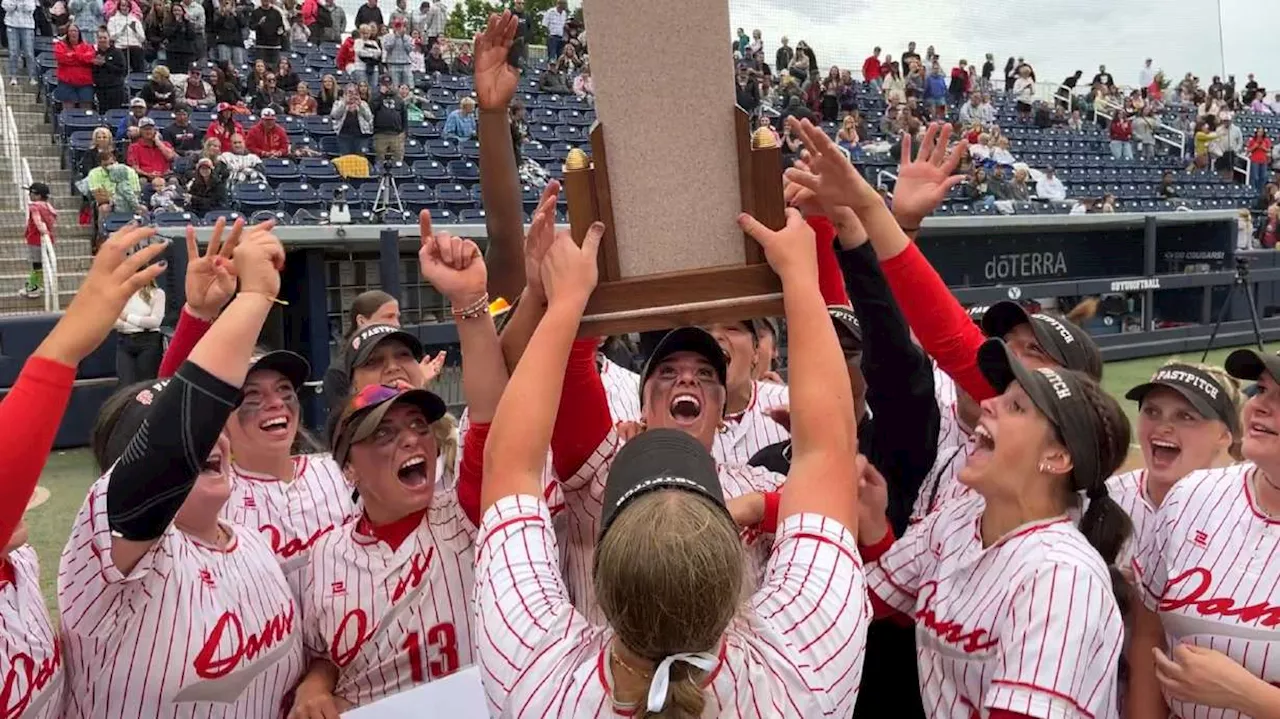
479 308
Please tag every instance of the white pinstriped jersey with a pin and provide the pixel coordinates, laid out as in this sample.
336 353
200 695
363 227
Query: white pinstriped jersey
192 630
390 619
32 681
942 485
622 389
291 516
1129 490
1028 625
796 650
947 395
752 430
1210 567
583 494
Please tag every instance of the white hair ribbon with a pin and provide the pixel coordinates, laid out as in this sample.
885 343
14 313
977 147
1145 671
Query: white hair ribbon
661 683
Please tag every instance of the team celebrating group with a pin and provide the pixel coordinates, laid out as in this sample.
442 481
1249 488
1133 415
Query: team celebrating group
925 520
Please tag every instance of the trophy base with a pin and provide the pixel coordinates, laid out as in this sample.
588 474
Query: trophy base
688 297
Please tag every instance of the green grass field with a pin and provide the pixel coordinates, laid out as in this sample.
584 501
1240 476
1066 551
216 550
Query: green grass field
68 474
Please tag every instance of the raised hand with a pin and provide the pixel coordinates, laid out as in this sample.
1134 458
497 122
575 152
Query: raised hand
258 260
848 226
826 172
792 251
541 235
923 183
1199 675
873 503
210 281
451 264
495 79
569 272
113 278
432 367
747 510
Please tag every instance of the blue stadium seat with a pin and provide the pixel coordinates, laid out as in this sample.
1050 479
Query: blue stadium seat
442 149
529 197
414 150
399 170
440 95
318 169
453 195
430 171
299 196
116 220
442 216
319 126
251 197
278 170
543 116
425 130
214 215
570 133
310 217
174 219
536 151
476 216
263 215
417 197
469 149
574 117
543 133
464 170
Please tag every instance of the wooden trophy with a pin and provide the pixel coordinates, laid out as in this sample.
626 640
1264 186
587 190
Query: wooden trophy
671 176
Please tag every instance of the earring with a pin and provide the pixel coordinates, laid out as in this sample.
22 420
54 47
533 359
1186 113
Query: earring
1044 468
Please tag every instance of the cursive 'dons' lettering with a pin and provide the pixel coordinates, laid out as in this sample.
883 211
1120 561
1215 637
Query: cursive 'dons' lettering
969 641
32 679
209 665
292 547
1195 582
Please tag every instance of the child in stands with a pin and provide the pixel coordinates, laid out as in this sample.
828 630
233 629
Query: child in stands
41 218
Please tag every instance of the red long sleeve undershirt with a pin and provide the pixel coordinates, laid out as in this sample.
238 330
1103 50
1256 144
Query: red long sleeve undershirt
30 415
943 327
185 337
830 280
583 419
471 471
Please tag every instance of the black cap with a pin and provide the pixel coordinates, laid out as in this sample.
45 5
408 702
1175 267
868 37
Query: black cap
130 419
1250 364
765 323
39 188
1060 397
365 410
1065 342
977 312
659 459
369 337
290 364
686 339
1196 386
848 331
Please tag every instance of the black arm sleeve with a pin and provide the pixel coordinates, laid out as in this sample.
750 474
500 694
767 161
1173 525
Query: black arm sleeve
161 462
903 433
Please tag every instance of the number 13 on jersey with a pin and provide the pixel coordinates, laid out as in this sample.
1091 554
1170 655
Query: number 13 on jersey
438 650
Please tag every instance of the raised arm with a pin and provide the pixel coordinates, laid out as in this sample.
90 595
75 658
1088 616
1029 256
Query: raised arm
208 286
160 464
33 408
496 82
822 479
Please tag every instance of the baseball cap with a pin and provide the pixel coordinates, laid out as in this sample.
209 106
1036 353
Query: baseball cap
1062 339
1197 387
368 338
686 339
848 331
976 313
137 102
1250 364
293 366
39 188
1059 396
384 80
655 460
204 162
267 112
146 122
130 420
365 410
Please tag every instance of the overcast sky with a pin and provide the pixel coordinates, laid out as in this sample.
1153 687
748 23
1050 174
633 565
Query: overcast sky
1056 36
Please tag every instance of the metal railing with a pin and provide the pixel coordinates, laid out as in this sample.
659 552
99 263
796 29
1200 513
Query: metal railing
20 171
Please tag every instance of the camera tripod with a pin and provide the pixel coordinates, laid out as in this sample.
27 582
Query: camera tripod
1239 285
388 197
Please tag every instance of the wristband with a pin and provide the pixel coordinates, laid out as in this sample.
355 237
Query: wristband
769 520
479 308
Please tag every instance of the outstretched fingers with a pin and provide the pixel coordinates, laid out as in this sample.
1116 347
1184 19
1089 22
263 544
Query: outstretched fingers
939 151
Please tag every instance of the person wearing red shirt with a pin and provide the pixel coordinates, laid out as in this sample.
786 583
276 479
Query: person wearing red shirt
346 52
871 67
75 70
1259 149
1121 136
225 127
267 139
41 217
150 156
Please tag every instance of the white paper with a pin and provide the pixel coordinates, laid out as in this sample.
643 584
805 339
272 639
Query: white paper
457 696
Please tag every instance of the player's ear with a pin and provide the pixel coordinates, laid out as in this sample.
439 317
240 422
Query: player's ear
349 474
1056 460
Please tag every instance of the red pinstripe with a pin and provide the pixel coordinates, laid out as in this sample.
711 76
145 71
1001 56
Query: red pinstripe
751 430
803 667
997 627
31 661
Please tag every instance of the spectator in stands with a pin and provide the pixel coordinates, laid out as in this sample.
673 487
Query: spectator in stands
109 71
1205 136
115 187
353 121
286 78
20 31
1050 187
747 89
184 137
363 89
267 138
57 16
1259 149
935 90
269 95
464 62
128 35
180 36
847 136
1010 74
1103 77
240 165
128 127
1269 232
461 123
1024 91
552 80
910 54
101 142
87 15
257 76
196 91
225 87
554 20
1019 189
329 94
400 12
894 86
431 22
1144 132
799 68
765 123
584 86
301 103
1167 189
207 191
75 70
269 26
969 110
227 27
977 188
391 120
1121 133
1232 140
784 55
150 155
435 64
961 81
395 53
370 14
159 93
368 51
871 68
224 127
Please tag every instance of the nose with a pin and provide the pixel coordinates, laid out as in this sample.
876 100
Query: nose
988 406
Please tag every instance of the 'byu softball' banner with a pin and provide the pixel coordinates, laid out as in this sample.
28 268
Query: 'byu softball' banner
457 696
